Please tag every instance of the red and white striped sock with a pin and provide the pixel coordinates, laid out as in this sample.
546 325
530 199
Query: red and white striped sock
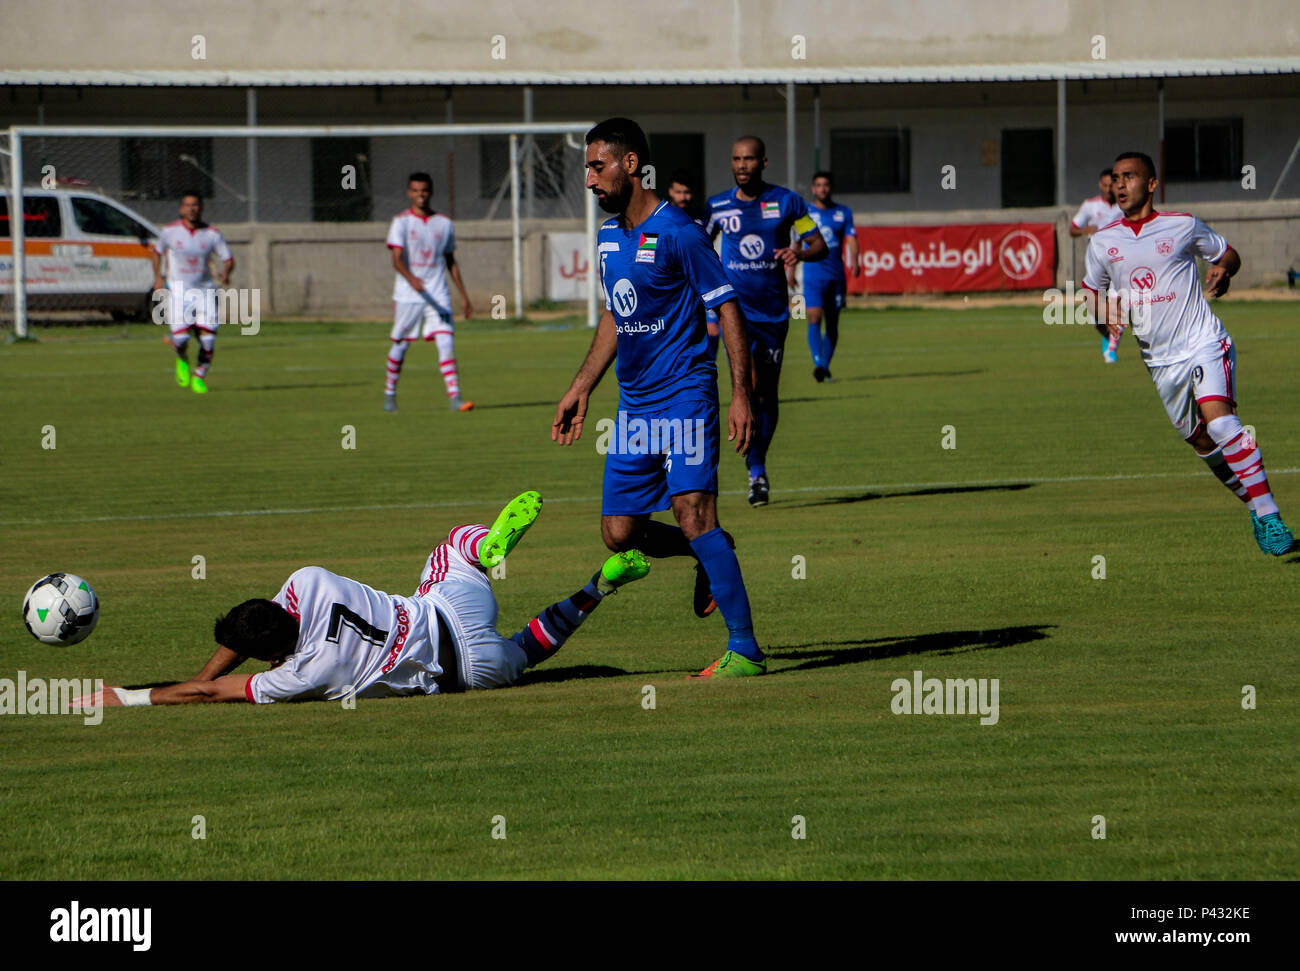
1219 466
1243 456
396 353
447 362
467 540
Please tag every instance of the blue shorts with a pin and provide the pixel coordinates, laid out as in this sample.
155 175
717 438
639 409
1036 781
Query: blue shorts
767 343
823 292
651 456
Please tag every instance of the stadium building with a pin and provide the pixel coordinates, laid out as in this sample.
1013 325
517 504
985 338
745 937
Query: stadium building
937 113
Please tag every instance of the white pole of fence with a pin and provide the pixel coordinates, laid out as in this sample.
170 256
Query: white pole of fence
517 256
593 264
18 232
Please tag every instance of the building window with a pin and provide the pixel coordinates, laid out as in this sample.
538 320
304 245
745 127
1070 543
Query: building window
163 168
548 166
871 159
1203 151
340 180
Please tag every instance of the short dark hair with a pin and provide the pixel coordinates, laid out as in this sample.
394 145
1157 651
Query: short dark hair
191 192
1143 157
1106 172
258 628
424 177
622 135
823 174
681 177
762 146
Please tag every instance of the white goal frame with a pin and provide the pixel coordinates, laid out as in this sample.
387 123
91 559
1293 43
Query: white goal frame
252 132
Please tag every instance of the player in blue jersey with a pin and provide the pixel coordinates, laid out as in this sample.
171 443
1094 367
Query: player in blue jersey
681 195
659 273
824 283
755 220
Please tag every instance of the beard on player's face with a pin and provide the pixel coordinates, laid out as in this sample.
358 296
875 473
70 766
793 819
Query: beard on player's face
618 194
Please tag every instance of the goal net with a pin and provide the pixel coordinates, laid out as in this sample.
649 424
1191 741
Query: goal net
305 210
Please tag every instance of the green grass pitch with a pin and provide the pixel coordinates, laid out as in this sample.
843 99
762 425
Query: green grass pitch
1119 697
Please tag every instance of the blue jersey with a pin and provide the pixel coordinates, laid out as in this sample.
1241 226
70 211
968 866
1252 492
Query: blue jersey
752 231
658 278
835 223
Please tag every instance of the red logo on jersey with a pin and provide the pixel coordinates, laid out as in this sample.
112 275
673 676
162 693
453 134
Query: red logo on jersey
403 628
1142 280
1164 246
1113 251
426 255
1019 255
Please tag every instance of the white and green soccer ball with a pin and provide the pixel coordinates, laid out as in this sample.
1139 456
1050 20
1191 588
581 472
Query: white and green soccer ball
61 609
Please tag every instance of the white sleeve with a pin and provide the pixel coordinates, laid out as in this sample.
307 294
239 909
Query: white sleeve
220 248
1207 244
292 679
396 238
1081 217
451 238
1096 276
160 244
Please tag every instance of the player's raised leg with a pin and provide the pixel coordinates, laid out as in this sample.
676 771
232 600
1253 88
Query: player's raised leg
508 529
546 633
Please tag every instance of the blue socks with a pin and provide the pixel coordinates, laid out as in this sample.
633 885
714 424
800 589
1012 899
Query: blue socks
728 587
817 345
548 631
766 412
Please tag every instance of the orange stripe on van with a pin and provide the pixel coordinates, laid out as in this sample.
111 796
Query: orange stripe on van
45 247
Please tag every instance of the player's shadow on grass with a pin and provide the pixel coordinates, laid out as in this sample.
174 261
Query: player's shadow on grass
573 673
517 404
298 387
936 491
833 653
915 374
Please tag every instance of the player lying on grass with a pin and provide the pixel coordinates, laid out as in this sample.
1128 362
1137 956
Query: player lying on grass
1148 260
331 638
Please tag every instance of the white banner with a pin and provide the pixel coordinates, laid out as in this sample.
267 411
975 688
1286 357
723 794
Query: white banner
568 264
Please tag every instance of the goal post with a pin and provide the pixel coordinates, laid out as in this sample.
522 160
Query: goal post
77 187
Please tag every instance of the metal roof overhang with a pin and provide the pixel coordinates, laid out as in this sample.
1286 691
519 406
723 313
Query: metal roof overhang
925 74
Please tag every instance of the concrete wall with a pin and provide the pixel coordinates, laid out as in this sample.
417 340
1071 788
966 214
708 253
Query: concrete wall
625 34
344 270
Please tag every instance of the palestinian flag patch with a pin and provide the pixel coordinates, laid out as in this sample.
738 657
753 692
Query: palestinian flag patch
645 250
771 210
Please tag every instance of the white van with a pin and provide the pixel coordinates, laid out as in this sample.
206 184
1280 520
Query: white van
83 252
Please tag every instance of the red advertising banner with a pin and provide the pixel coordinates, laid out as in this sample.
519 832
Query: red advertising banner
947 259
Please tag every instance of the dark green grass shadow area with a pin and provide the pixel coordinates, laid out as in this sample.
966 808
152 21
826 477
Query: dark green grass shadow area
913 374
936 491
574 672
834 653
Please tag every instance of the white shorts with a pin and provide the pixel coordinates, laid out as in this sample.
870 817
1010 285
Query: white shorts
190 306
1208 375
463 594
414 320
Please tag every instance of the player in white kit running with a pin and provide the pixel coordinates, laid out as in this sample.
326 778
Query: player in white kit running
188 245
1143 267
331 638
423 244
1098 211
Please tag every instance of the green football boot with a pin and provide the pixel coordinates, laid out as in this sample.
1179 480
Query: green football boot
519 514
197 385
733 665
621 568
182 372
1272 535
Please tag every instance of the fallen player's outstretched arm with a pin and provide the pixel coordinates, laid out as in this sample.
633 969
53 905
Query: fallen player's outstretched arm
223 661
232 687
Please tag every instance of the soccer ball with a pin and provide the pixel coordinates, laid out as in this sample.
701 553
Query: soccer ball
60 609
